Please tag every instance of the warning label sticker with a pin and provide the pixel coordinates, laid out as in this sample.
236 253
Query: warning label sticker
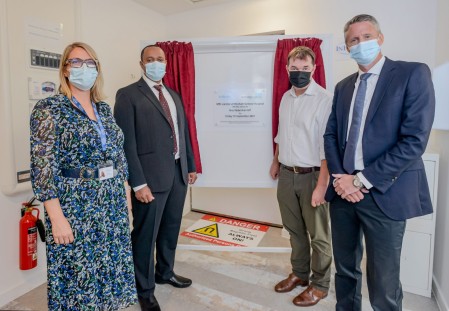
226 231
211 230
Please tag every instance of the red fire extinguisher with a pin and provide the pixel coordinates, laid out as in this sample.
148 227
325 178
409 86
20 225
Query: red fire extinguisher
28 235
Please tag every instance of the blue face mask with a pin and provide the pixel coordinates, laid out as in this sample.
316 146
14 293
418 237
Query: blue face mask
83 78
155 70
365 52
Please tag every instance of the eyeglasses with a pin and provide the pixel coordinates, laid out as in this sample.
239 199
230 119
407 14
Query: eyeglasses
78 62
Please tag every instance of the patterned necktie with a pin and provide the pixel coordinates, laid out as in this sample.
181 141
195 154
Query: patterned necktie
164 105
354 131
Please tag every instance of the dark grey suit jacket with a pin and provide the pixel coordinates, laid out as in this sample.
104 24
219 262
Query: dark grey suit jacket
148 137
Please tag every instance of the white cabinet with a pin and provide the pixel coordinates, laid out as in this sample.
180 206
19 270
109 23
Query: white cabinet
417 248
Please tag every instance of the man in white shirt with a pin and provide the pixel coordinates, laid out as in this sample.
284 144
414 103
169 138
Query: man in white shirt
300 165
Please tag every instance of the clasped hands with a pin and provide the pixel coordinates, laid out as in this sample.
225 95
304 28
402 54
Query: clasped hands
343 185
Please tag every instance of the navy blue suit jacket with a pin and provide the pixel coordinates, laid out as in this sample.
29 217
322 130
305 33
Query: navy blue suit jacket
395 136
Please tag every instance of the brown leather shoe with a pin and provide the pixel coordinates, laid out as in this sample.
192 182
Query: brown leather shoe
290 283
309 297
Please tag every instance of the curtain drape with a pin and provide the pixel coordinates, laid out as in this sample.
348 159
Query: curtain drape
280 78
180 76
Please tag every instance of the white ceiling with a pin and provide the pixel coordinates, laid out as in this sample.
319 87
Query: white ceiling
167 7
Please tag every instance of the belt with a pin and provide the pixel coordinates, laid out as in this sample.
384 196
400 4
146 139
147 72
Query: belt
301 170
177 161
84 173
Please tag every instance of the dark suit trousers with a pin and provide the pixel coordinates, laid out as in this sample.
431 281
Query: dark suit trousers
156 227
383 241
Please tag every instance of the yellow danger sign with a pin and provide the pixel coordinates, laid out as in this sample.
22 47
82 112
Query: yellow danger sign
211 230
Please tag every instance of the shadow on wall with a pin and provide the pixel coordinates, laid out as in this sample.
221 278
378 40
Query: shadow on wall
441 81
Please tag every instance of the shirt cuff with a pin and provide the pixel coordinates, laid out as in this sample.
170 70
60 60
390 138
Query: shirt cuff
365 181
139 187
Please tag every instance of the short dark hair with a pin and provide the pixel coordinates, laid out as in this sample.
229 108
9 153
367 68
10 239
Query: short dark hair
362 18
301 52
148 46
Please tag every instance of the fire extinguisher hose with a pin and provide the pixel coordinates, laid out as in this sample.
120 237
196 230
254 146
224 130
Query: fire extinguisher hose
41 229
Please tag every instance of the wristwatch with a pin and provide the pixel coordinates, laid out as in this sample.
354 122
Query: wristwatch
356 182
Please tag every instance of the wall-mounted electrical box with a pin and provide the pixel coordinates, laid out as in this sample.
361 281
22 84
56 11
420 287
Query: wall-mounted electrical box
43 59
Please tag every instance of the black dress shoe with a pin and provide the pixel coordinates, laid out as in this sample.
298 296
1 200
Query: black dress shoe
149 304
176 281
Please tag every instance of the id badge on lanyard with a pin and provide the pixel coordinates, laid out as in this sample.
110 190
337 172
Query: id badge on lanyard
106 169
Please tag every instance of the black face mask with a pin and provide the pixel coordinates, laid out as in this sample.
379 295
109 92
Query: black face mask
299 79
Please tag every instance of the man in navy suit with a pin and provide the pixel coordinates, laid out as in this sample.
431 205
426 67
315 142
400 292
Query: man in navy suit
376 134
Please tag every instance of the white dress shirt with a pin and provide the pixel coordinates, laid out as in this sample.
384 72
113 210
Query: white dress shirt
370 87
302 122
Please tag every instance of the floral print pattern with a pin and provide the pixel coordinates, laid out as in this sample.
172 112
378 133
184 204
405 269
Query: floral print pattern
96 271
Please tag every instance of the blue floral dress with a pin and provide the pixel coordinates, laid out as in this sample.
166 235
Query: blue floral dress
96 271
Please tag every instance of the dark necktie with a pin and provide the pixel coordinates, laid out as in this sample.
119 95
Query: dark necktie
354 131
164 105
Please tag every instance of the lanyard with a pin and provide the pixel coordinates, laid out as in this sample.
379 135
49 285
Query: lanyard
98 125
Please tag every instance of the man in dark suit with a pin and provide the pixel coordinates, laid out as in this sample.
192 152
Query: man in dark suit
161 165
377 131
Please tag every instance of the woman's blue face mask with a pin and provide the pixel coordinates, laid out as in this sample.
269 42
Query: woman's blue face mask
83 78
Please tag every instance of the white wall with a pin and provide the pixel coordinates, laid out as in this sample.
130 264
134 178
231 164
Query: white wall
115 32
440 143
417 20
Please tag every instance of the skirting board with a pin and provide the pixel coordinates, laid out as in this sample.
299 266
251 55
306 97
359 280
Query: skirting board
23 288
216 248
439 296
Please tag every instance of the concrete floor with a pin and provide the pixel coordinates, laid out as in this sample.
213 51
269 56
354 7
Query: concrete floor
224 281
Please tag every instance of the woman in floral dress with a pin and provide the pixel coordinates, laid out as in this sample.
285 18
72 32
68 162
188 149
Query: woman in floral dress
79 172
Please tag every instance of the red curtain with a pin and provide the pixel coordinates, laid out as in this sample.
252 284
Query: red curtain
180 76
280 78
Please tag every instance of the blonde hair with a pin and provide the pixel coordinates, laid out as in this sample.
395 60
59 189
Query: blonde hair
96 92
301 52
